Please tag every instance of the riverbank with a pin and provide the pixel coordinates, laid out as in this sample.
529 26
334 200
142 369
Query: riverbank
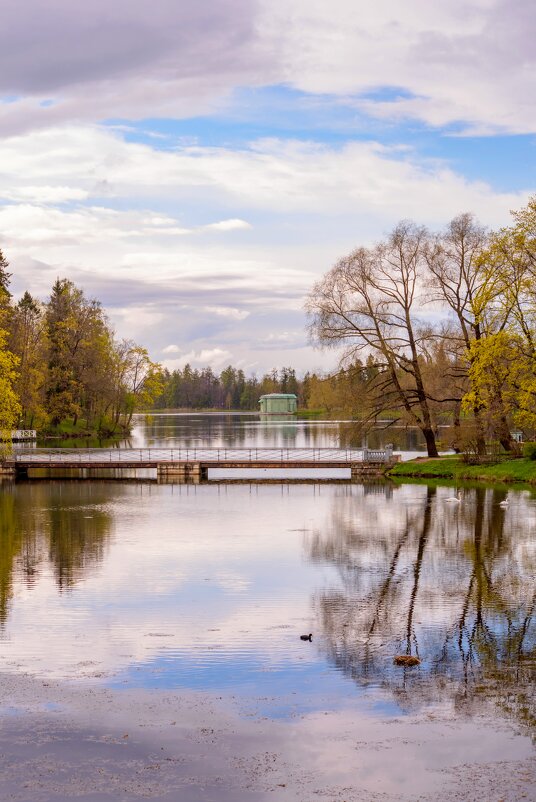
453 467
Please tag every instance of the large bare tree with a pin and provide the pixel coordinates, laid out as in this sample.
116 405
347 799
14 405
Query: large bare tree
370 301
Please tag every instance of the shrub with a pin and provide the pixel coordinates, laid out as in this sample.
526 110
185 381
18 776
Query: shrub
529 450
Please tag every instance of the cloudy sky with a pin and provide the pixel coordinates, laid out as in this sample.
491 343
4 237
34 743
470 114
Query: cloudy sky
196 166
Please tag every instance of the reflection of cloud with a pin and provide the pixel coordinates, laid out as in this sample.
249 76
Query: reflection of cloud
220 577
201 569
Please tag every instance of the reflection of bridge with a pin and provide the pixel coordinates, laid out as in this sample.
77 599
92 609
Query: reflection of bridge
192 463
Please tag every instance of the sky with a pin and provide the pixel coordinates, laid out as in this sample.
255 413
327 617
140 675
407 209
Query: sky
197 167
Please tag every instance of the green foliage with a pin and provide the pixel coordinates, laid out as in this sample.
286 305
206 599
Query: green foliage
60 363
529 451
10 408
191 388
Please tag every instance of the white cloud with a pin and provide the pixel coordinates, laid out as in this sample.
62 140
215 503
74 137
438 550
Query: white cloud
206 357
212 249
166 275
228 312
273 175
466 60
45 194
229 225
285 337
461 61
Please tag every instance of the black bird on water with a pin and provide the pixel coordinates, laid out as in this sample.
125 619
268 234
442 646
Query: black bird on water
308 637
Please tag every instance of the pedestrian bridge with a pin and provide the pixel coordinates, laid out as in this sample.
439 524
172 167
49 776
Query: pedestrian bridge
189 463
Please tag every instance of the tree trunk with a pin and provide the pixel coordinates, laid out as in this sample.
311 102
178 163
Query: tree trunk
431 447
455 445
480 439
505 438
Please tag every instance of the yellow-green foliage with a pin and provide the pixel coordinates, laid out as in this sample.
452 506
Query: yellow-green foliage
10 408
502 370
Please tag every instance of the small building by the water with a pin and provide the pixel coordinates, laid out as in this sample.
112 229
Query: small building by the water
278 404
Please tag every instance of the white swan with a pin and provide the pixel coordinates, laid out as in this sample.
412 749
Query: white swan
455 499
504 504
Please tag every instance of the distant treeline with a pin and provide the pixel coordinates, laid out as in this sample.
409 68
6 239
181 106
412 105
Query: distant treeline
190 388
343 392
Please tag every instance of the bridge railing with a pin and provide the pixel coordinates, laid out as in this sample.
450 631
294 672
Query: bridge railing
116 456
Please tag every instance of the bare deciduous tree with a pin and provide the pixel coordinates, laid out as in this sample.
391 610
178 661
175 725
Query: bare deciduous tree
369 302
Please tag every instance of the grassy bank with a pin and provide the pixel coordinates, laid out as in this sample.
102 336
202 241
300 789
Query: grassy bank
67 430
515 470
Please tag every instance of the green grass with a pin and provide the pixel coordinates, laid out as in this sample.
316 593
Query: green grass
311 413
515 470
66 430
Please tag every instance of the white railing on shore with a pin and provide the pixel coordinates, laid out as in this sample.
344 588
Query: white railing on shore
18 434
116 456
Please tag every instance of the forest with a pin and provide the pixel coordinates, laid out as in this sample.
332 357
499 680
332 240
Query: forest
192 388
62 370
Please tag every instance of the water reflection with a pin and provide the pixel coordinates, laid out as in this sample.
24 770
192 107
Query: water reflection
454 587
249 430
262 431
219 430
209 587
49 526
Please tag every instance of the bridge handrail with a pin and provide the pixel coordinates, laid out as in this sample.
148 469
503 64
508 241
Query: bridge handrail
200 453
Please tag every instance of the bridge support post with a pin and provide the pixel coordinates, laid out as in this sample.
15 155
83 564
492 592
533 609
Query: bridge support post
180 472
364 470
356 470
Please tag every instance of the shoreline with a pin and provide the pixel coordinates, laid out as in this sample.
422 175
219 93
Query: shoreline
513 471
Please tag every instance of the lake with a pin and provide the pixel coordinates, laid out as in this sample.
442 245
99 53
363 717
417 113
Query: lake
126 594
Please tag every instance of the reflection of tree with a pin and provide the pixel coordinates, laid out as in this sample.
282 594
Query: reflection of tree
76 542
11 540
60 524
454 586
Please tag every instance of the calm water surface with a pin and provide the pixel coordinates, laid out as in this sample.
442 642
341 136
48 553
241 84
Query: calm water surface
248 431
209 587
